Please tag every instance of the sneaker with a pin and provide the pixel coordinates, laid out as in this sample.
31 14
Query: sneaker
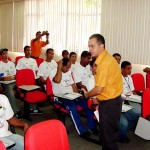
94 131
35 111
18 114
85 135
125 140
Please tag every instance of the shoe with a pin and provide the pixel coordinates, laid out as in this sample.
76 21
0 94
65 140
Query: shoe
94 131
125 140
35 111
18 114
85 135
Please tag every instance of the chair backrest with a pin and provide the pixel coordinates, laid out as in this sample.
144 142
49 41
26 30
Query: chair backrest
138 81
146 103
49 135
17 58
147 80
25 77
39 61
49 89
2 146
8 58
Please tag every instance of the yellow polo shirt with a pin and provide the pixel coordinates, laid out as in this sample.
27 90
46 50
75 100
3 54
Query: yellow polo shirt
108 75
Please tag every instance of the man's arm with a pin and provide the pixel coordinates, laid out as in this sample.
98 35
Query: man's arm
57 78
147 70
18 123
81 86
94 92
74 87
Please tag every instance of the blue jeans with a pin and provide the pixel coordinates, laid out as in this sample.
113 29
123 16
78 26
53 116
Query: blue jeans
19 140
71 106
127 121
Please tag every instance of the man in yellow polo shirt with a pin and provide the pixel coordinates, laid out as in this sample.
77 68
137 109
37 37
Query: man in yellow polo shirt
37 44
108 88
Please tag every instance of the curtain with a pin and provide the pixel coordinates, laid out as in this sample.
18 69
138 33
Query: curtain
69 22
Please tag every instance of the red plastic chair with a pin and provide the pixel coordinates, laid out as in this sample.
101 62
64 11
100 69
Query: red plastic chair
61 111
147 80
26 77
17 58
2 146
146 104
8 58
138 82
49 135
39 61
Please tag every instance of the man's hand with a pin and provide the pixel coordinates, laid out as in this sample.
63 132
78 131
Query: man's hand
26 126
8 78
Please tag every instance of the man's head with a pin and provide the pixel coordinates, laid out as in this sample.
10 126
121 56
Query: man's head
126 68
93 66
73 57
38 34
65 54
49 54
85 58
27 51
66 64
96 44
117 56
4 53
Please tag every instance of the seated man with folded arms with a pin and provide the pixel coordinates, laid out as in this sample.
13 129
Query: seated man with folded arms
66 85
28 63
9 73
7 118
47 68
82 73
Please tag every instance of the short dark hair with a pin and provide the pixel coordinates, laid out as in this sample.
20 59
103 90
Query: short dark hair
65 61
72 53
92 62
124 64
85 54
49 49
116 54
2 50
64 52
26 47
99 38
38 32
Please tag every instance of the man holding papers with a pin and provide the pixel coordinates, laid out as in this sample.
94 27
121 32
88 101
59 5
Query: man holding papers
63 84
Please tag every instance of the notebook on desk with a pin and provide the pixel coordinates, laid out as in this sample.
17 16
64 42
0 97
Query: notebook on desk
69 96
134 98
7 142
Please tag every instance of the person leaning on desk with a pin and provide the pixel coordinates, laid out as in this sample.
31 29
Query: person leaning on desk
7 118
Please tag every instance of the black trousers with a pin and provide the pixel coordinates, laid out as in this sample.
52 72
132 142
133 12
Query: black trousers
109 118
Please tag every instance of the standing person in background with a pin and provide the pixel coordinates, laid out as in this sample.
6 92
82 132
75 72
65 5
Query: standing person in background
37 43
108 89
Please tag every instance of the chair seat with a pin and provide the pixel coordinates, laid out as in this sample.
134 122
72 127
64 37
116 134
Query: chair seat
35 97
